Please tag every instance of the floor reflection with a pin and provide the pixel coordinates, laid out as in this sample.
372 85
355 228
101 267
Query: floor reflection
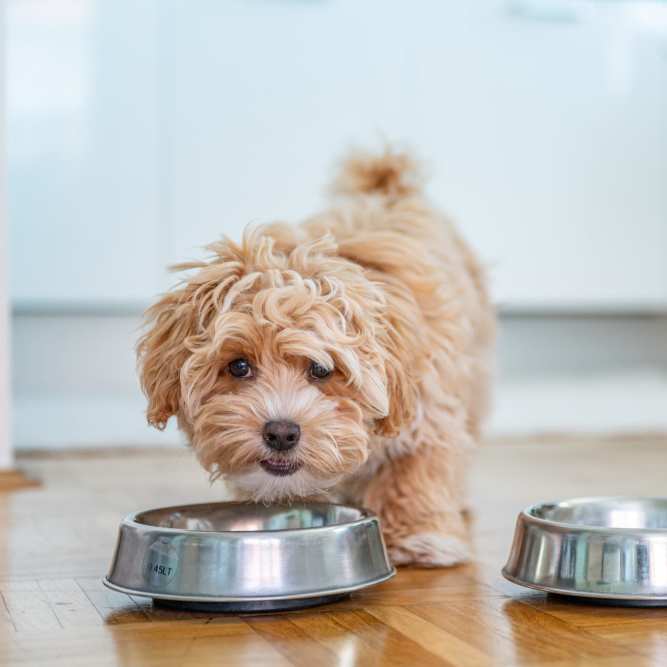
191 638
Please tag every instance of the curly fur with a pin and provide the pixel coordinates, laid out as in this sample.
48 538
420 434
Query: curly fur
379 287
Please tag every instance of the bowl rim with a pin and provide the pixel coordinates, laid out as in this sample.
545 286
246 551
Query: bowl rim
131 520
527 514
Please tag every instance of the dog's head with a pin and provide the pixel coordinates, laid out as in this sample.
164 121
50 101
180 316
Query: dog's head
276 358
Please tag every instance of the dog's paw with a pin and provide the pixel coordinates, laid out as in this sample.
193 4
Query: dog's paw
429 550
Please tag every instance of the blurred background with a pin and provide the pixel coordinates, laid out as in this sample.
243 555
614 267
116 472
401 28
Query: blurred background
138 131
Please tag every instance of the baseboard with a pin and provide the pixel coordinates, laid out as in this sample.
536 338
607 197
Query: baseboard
600 404
13 480
75 421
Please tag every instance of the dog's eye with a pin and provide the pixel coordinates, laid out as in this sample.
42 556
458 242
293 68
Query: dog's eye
240 368
319 372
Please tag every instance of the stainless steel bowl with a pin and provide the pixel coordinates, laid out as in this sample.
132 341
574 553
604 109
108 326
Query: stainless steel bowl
604 548
247 557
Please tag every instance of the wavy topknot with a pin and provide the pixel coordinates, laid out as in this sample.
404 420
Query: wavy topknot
392 174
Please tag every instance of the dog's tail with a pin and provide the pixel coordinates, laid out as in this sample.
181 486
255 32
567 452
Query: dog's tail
392 174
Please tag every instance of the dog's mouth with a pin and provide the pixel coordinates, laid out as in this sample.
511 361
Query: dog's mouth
280 467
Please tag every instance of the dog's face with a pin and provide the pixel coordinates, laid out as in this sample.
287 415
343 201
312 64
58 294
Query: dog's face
272 359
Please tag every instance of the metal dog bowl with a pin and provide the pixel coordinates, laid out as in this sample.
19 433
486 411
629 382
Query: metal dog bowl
246 557
608 549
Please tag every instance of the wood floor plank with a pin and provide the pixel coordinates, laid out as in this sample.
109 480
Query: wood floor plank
6 623
69 603
292 641
216 627
434 639
20 586
591 615
459 579
392 647
30 611
347 646
112 606
648 638
511 632
234 652
167 652
617 661
147 643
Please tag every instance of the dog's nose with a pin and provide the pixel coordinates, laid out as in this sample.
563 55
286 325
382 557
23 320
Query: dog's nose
281 435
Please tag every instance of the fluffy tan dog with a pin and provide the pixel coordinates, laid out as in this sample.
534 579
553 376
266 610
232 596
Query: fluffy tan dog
345 357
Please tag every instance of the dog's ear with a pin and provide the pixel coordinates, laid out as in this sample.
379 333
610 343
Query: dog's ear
402 391
161 352
402 357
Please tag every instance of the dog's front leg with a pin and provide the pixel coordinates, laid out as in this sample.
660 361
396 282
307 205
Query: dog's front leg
418 498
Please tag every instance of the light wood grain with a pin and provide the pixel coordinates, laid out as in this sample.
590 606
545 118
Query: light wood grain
56 541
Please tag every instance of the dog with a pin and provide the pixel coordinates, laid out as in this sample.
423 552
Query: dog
348 357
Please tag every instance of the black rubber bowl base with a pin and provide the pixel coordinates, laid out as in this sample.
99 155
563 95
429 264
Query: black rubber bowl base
604 602
250 607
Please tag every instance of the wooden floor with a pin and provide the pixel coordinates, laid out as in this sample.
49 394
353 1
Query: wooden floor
56 541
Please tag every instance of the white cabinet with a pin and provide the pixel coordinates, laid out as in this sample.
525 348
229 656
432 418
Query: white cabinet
83 152
550 134
545 126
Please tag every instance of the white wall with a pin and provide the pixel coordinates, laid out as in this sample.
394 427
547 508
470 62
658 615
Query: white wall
546 133
141 131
